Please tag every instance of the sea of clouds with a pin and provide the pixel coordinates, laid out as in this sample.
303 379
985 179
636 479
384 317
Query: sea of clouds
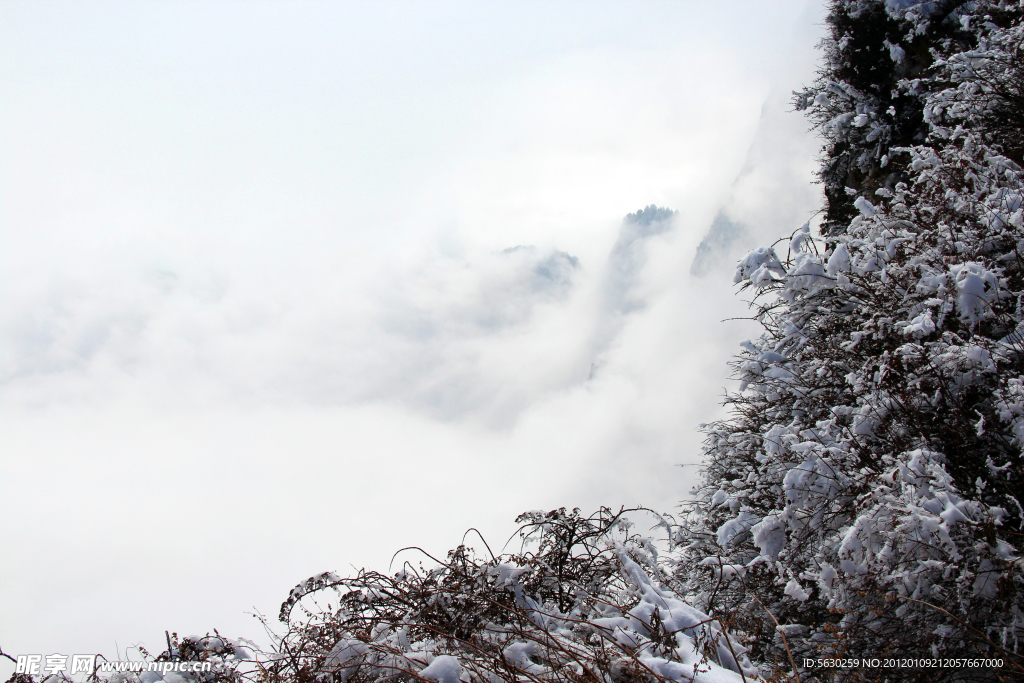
288 287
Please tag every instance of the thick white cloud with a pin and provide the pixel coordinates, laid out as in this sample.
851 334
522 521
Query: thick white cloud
287 287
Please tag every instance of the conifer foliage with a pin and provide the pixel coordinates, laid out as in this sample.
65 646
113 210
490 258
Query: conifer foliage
866 494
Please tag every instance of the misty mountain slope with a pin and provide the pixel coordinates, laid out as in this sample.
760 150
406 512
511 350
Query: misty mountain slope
477 336
723 240
620 290
628 255
771 194
199 320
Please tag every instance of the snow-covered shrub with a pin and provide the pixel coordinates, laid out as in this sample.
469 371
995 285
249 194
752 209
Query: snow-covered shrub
867 492
585 600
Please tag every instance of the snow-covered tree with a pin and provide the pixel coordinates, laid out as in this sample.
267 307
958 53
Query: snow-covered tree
865 497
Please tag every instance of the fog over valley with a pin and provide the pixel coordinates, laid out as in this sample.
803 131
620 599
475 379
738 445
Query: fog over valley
286 287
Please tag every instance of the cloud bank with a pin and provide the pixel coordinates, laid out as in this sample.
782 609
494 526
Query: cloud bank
262 319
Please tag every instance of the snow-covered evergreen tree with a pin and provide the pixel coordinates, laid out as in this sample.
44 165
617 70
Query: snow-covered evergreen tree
865 498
